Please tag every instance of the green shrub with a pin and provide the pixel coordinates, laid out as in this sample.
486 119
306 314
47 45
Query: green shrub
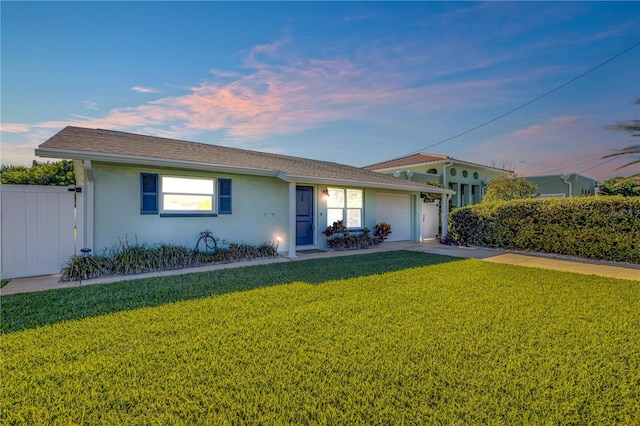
339 237
127 259
171 256
349 241
606 228
381 231
79 268
59 173
134 259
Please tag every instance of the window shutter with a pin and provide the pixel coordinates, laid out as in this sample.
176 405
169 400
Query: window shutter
224 196
148 193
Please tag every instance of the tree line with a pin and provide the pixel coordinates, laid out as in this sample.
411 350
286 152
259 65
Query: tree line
59 173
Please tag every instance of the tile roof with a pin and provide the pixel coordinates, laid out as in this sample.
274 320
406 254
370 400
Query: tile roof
409 160
114 146
421 158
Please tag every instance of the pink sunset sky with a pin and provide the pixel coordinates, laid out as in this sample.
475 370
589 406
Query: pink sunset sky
355 83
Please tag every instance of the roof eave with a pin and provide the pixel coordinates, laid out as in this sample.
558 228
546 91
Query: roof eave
159 162
447 160
366 184
149 161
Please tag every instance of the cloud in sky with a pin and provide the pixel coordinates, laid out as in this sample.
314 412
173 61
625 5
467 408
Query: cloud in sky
576 144
284 93
91 105
358 79
141 89
14 128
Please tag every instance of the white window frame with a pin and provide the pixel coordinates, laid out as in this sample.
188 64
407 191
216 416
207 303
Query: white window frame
345 208
163 193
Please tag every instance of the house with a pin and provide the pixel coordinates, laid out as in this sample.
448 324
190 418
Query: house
467 180
564 185
148 189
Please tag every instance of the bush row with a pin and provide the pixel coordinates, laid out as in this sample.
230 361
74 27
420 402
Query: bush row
127 259
352 241
605 228
340 238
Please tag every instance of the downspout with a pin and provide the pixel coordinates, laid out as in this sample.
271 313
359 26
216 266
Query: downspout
88 208
565 177
445 215
445 202
444 173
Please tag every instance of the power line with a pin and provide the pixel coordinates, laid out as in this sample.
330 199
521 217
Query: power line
572 165
597 165
531 101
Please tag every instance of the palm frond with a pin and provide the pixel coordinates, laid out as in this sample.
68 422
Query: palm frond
629 164
630 150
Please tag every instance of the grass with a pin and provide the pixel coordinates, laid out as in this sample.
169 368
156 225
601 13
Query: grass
439 342
29 310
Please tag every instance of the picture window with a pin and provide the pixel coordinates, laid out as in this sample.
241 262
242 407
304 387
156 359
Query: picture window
346 205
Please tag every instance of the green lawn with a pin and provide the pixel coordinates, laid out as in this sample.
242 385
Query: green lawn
384 338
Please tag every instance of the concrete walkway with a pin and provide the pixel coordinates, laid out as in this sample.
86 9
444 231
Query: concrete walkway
580 266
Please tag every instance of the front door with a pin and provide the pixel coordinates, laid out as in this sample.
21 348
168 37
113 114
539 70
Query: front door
304 215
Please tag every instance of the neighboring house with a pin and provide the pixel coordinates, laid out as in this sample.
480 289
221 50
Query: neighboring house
468 180
147 189
564 185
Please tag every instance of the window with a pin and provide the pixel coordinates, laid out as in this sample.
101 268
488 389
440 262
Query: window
345 205
182 196
187 195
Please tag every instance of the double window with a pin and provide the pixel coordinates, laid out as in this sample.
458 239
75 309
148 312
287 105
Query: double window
345 205
184 196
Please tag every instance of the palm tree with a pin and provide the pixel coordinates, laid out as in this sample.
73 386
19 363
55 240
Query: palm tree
632 126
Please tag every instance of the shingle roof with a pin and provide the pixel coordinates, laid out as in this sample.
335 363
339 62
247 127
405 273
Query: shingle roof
113 146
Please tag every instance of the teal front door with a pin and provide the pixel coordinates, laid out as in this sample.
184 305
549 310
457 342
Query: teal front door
304 215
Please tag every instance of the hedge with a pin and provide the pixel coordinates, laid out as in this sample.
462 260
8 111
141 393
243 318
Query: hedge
605 227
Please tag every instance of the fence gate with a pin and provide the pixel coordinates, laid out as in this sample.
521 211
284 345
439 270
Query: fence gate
430 221
37 229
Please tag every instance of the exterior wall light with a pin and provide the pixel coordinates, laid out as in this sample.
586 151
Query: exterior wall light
325 193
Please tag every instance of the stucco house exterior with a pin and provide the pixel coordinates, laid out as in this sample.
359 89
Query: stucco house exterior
564 185
147 189
467 180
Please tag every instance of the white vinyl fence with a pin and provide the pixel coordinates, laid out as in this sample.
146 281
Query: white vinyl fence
430 221
37 229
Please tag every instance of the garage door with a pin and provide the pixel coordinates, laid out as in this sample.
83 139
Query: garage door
395 209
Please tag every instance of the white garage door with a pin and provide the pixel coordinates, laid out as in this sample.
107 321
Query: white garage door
395 209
